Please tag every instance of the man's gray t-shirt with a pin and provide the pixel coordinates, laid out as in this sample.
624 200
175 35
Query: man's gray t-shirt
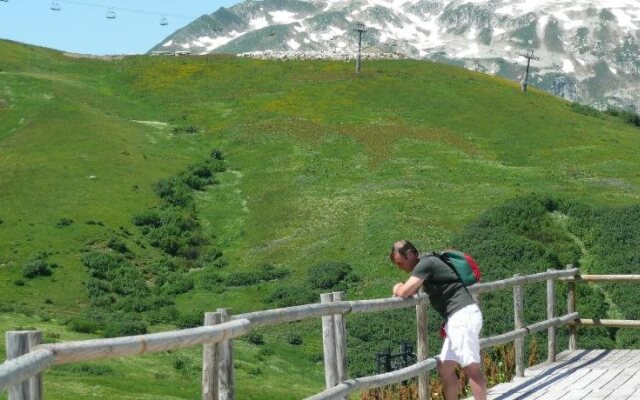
446 293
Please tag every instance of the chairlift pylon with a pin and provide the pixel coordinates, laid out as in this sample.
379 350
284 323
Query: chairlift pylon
55 6
164 21
111 14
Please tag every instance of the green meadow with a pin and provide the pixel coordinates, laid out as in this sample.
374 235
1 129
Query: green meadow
318 169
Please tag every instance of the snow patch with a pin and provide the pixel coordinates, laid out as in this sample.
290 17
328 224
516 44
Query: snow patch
300 28
567 66
258 23
167 44
293 44
283 17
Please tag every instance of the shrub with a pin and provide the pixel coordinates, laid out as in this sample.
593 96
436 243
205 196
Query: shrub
36 268
629 117
328 275
190 320
19 282
255 338
88 369
83 324
209 281
100 264
173 191
216 154
1 221
147 218
295 340
128 325
64 222
117 244
586 110
292 295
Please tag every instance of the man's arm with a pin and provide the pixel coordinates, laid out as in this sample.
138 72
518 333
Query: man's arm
409 288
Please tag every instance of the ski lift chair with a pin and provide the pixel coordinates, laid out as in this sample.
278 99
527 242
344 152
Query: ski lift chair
111 14
164 21
55 6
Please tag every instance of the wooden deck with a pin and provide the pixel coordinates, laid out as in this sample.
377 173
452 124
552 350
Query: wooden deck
579 374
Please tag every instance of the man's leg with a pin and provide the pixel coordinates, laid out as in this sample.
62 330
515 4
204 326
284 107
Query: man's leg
476 381
447 371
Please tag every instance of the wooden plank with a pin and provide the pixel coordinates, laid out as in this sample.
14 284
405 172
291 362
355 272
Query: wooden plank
226 381
600 394
96 349
22 368
606 377
551 313
329 345
609 278
518 321
210 362
20 343
368 382
587 379
620 379
341 340
609 323
522 280
422 347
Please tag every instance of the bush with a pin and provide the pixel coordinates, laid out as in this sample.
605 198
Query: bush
173 191
295 340
629 117
117 244
88 369
36 268
255 338
100 264
128 326
83 325
586 110
19 282
64 222
147 218
216 154
190 320
329 275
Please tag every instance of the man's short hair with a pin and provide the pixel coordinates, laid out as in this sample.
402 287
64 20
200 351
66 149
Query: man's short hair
403 247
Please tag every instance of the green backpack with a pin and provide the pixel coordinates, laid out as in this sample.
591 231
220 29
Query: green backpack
462 264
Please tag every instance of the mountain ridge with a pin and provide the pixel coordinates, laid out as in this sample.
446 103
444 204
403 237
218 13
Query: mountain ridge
587 48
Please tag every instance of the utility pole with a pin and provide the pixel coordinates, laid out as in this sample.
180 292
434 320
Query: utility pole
529 56
360 29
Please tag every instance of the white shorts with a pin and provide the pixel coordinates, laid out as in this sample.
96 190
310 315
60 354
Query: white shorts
462 343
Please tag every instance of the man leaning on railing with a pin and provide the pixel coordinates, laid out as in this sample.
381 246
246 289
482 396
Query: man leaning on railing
451 299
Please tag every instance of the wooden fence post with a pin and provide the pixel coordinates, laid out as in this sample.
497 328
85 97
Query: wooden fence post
225 351
210 362
571 307
518 308
422 346
551 313
341 340
329 345
19 343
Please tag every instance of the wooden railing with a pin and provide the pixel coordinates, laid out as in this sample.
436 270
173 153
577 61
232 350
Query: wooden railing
21 374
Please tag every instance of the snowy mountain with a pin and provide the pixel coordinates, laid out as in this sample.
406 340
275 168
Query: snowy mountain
586 50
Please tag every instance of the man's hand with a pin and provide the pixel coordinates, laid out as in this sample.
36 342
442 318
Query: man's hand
407 289
395 288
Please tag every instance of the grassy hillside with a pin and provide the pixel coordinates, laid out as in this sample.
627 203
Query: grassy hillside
320 165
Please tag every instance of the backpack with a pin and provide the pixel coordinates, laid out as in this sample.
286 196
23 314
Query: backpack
462 264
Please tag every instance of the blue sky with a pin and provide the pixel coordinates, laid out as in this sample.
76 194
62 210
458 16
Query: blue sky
82 27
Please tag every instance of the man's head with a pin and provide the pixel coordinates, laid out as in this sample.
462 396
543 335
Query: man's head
404 255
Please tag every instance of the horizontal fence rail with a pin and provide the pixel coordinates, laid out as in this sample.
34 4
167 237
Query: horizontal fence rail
604 278
42 357
369 382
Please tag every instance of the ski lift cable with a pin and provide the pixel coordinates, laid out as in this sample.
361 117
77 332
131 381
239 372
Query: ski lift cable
131 10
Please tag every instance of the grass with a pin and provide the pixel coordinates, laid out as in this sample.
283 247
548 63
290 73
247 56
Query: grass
323 165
